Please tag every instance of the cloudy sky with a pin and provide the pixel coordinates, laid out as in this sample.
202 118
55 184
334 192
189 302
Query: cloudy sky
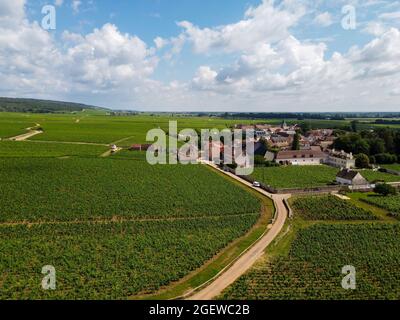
205 55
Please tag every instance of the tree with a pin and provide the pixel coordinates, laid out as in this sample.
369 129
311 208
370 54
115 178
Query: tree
362 161
376 146
305 126
354 125
352 142
259 160
296 142
385 158
385 189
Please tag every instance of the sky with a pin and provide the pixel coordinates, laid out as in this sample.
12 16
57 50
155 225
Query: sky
204 55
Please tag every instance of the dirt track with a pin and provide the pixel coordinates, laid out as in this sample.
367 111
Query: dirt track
247 260
25 136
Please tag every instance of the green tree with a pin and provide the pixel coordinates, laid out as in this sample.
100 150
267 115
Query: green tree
259 160
352 142
376 146
354 125
296 142
362 161
385 189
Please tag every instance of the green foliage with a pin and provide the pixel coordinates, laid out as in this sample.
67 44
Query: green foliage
110 260
295 176
376 176
329 208
259 160
313 268
26 149
352 142
296 142
13 124
385 158
390 203
385 189
362 161
395 167
39 106
46 189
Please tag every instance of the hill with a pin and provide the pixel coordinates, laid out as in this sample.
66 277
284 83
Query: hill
41 106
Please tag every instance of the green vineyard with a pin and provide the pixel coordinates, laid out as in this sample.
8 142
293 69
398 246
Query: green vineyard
329 208
313 267
110 260
390 203
71 189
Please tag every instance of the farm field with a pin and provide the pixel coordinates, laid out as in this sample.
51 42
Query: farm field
109 129
76 188
311 267
295 176
286 177
110 260
395 167
389 203
306 262
26 149
328 208
112 227
12 124
373 176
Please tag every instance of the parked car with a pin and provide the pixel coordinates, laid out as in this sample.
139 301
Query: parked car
256 184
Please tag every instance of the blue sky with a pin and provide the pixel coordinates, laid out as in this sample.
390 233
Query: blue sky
225 55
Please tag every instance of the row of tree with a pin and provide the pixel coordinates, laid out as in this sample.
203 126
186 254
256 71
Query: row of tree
381 146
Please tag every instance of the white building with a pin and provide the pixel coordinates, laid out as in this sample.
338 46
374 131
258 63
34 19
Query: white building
301 157
350 178
341 159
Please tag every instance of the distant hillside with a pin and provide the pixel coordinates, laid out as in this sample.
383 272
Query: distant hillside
41 106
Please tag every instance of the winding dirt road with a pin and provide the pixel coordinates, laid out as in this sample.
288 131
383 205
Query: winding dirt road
246 261
25 136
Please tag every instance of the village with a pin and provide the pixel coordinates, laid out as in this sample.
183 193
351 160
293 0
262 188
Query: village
287 145
274 145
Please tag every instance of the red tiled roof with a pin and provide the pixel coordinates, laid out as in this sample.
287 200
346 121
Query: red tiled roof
300 154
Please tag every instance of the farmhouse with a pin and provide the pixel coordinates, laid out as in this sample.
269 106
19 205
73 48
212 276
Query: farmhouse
350 178
341 159
301 157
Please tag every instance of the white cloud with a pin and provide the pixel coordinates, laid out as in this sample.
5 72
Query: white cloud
375 28
106 58
11 12
31 62
265 23
390 15
160 42
268 66
58 3
324 19
76 5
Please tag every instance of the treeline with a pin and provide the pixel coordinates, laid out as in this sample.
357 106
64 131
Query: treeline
40 106
382 121
272 115
306 115
382 146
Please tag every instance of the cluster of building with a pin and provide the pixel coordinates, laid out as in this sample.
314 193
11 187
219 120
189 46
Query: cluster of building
282 136
314 146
